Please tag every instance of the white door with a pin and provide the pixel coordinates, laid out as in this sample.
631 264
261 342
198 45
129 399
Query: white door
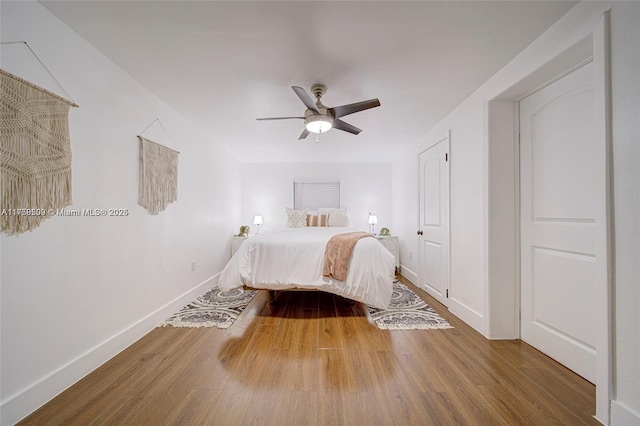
558 208
433 273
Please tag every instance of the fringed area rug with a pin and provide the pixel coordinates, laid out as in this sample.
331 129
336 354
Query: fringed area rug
213 309
407 312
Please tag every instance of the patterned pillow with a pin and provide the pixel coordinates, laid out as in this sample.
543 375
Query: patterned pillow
316 220
296 218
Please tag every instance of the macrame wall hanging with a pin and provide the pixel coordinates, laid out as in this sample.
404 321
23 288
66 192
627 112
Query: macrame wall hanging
35 152
158 174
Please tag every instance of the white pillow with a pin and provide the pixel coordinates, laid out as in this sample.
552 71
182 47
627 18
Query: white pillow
327 210
343 210
340 219
296 218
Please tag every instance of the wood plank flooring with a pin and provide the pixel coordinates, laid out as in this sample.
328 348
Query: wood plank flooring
315 359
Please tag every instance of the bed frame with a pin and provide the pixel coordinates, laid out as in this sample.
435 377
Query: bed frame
272 293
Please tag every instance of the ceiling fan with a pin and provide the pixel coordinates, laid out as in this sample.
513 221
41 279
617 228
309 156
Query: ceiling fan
319 118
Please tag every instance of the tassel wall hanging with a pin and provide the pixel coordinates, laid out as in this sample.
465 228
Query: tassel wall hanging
35 154
158 175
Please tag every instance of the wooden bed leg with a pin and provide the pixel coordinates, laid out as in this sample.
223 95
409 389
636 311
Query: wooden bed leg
272 297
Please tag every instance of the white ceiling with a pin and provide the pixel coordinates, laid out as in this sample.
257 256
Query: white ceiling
223 64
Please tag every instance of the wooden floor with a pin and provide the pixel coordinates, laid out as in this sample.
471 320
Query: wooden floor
315 359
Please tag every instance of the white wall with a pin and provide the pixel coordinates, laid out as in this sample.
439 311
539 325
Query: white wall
469 186
267 188
78 290
466 217
405 205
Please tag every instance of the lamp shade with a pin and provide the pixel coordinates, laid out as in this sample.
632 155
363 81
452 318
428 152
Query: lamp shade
318 123
373 219
257 220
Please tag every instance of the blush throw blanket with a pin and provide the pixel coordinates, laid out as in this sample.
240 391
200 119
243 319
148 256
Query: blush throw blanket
337 254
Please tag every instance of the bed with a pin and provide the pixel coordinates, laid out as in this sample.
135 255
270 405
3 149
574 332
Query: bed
292 258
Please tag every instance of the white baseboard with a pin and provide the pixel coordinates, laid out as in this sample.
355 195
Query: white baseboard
623 416
20 405
468 315
409 274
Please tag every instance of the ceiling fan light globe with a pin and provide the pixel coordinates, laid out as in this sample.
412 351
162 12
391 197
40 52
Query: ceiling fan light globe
318 124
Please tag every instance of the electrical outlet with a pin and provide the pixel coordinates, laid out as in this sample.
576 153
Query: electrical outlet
410 255
193 265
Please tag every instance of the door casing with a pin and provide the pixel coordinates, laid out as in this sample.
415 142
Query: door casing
501 280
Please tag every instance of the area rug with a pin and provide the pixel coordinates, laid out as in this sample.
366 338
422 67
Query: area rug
215 308
406 312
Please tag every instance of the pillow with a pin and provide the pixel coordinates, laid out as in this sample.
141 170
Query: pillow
327 210
344 210
339 219
296 218
315 219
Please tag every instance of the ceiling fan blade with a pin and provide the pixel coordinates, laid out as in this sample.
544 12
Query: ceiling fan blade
278 118
341 125
304 134
305 98
342 110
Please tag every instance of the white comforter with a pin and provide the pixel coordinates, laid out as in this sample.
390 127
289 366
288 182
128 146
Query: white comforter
293 258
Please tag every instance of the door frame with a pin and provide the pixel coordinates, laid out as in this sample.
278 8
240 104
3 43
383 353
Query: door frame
446 138
502 202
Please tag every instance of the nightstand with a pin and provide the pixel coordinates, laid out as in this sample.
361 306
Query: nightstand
392 244
236 243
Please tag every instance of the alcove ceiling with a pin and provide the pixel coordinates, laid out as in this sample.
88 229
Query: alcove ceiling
222 64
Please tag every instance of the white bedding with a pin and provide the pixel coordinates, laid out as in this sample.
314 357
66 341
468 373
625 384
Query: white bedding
293 258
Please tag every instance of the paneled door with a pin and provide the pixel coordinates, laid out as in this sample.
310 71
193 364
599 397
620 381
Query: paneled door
559 199
433 234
